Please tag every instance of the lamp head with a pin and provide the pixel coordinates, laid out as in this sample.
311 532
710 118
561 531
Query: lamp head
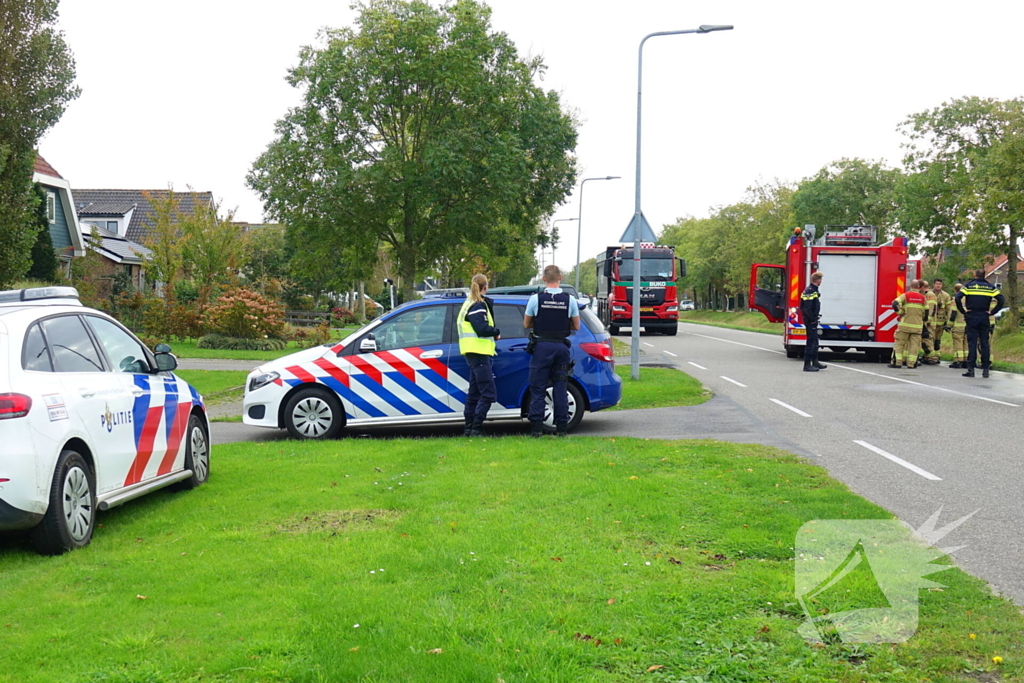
708 28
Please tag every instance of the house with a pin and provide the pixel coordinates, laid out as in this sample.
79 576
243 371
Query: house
119 253
997 271
60 212
130 213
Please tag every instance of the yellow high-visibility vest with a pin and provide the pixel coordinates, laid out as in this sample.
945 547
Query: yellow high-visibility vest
469 342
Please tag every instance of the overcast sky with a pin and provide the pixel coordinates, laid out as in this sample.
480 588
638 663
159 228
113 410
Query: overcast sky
188 92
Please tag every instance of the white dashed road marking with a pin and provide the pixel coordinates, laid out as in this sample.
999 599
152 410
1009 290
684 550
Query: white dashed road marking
648 344
695 365
729 341
728 379
789 407
669 353
899 461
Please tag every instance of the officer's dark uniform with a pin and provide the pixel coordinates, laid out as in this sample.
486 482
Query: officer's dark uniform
551 357
974 301
810 307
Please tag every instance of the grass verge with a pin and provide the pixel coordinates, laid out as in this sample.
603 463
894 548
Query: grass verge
659 388
187 349
751 322
472 560
216 386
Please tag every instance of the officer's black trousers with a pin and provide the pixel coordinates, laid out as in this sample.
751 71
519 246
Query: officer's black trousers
482 391
811 350
547 366
978 332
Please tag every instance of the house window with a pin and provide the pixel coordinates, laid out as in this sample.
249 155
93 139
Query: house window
51 207
112 226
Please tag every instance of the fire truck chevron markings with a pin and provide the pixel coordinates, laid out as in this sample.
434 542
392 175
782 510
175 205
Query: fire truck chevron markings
739 384
899 461
789 407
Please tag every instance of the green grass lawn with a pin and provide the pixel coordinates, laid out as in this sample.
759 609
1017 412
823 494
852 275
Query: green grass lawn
659 388
212 382
187 349
738 320
501 559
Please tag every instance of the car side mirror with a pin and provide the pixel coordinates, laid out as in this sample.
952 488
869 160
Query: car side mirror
165 361
162 348
368 344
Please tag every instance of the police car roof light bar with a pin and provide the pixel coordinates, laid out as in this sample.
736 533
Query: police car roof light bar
38 293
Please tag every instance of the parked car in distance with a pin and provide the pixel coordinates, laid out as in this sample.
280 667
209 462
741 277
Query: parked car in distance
89 418
686 305
405 369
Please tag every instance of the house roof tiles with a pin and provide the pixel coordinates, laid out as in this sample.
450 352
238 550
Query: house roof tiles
143 219
43 167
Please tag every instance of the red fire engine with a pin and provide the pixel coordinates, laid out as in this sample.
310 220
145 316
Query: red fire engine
861 279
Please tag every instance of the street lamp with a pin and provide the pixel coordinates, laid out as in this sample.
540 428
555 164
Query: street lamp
579 225
635 324
557 220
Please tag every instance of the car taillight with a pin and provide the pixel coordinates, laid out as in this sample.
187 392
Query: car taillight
14 405
600 350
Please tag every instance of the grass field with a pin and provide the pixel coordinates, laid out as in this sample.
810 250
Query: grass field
442 560
738 320
213 382
187 349
659 388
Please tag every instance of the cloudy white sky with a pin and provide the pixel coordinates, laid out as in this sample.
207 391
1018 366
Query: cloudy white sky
188 92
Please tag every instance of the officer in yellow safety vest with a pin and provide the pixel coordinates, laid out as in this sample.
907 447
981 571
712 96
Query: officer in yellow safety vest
477 337
912 307
958 327
927 344
943 305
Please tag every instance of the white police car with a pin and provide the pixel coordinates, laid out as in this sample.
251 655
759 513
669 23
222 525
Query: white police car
405 368
89 418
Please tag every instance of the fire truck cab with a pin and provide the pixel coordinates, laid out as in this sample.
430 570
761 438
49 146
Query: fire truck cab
861 279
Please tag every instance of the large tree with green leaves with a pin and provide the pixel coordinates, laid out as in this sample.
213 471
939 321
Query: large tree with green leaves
848 192
963 191
36 83
422 129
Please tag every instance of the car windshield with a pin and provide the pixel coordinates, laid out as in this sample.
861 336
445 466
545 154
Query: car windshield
650 269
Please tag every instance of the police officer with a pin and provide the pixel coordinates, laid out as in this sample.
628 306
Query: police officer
974 301
912 309
552 315
810 308
958 328
477 337
939 321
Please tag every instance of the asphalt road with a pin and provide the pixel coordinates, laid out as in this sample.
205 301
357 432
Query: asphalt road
911 441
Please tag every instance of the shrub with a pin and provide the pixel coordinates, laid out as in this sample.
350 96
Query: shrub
344 316
244 314
292 333
220 341
321 334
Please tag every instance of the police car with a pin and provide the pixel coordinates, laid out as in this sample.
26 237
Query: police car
89 418
405 369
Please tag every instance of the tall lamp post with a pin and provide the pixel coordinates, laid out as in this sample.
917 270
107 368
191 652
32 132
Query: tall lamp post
557 220
579 225
637 220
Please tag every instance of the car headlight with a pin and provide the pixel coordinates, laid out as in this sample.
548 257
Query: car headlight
262 380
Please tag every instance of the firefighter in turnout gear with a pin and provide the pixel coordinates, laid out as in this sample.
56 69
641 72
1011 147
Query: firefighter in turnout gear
939 319
810 309
477 337
958 328
912 308
974 301
552 315
927 345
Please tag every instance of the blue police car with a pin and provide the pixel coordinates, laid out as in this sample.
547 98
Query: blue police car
405 369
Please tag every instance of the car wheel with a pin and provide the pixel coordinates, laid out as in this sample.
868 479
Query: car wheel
575 408
613 330
313 413
672 331
71 514
197 455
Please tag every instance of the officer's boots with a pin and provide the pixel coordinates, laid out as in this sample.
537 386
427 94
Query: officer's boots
536 429
984 369
818 365
970 370
562 428
809 365
475 429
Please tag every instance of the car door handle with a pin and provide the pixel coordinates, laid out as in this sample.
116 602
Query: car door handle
431 354
137 391
517 347
86 393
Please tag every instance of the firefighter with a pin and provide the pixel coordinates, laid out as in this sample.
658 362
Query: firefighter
939 319
810 308
477 337
912 308
974 301
927 346
551 315
958 327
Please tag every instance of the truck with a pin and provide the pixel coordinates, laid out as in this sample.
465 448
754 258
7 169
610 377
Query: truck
861 280
659 302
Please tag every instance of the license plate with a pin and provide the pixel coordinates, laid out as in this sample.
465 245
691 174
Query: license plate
647 310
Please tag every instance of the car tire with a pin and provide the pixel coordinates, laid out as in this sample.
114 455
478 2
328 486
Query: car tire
314 414
576 408
71 514
197 455
672 331
613 330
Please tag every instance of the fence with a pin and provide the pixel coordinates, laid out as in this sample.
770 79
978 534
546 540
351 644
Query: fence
306 318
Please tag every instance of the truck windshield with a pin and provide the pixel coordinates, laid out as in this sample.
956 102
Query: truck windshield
650 269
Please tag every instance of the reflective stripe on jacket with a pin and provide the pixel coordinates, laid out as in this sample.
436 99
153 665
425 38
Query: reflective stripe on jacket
469 342
913 309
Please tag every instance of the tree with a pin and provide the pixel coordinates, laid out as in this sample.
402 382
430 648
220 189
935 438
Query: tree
588 276
44 259
36 83
265 259
848 192
422 130
164 241
963 190
211 248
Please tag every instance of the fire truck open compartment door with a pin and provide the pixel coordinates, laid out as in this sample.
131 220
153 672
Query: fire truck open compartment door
848 296
766 291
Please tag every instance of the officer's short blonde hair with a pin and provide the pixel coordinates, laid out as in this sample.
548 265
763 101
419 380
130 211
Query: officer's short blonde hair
816 277
552 274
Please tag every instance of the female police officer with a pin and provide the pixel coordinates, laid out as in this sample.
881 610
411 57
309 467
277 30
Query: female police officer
477 335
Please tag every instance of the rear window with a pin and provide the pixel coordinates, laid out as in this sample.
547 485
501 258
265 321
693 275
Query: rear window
592 322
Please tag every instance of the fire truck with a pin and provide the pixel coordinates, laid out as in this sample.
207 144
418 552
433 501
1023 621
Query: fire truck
659 301
861 280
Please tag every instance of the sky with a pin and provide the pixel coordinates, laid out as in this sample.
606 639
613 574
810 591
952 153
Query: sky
187 94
